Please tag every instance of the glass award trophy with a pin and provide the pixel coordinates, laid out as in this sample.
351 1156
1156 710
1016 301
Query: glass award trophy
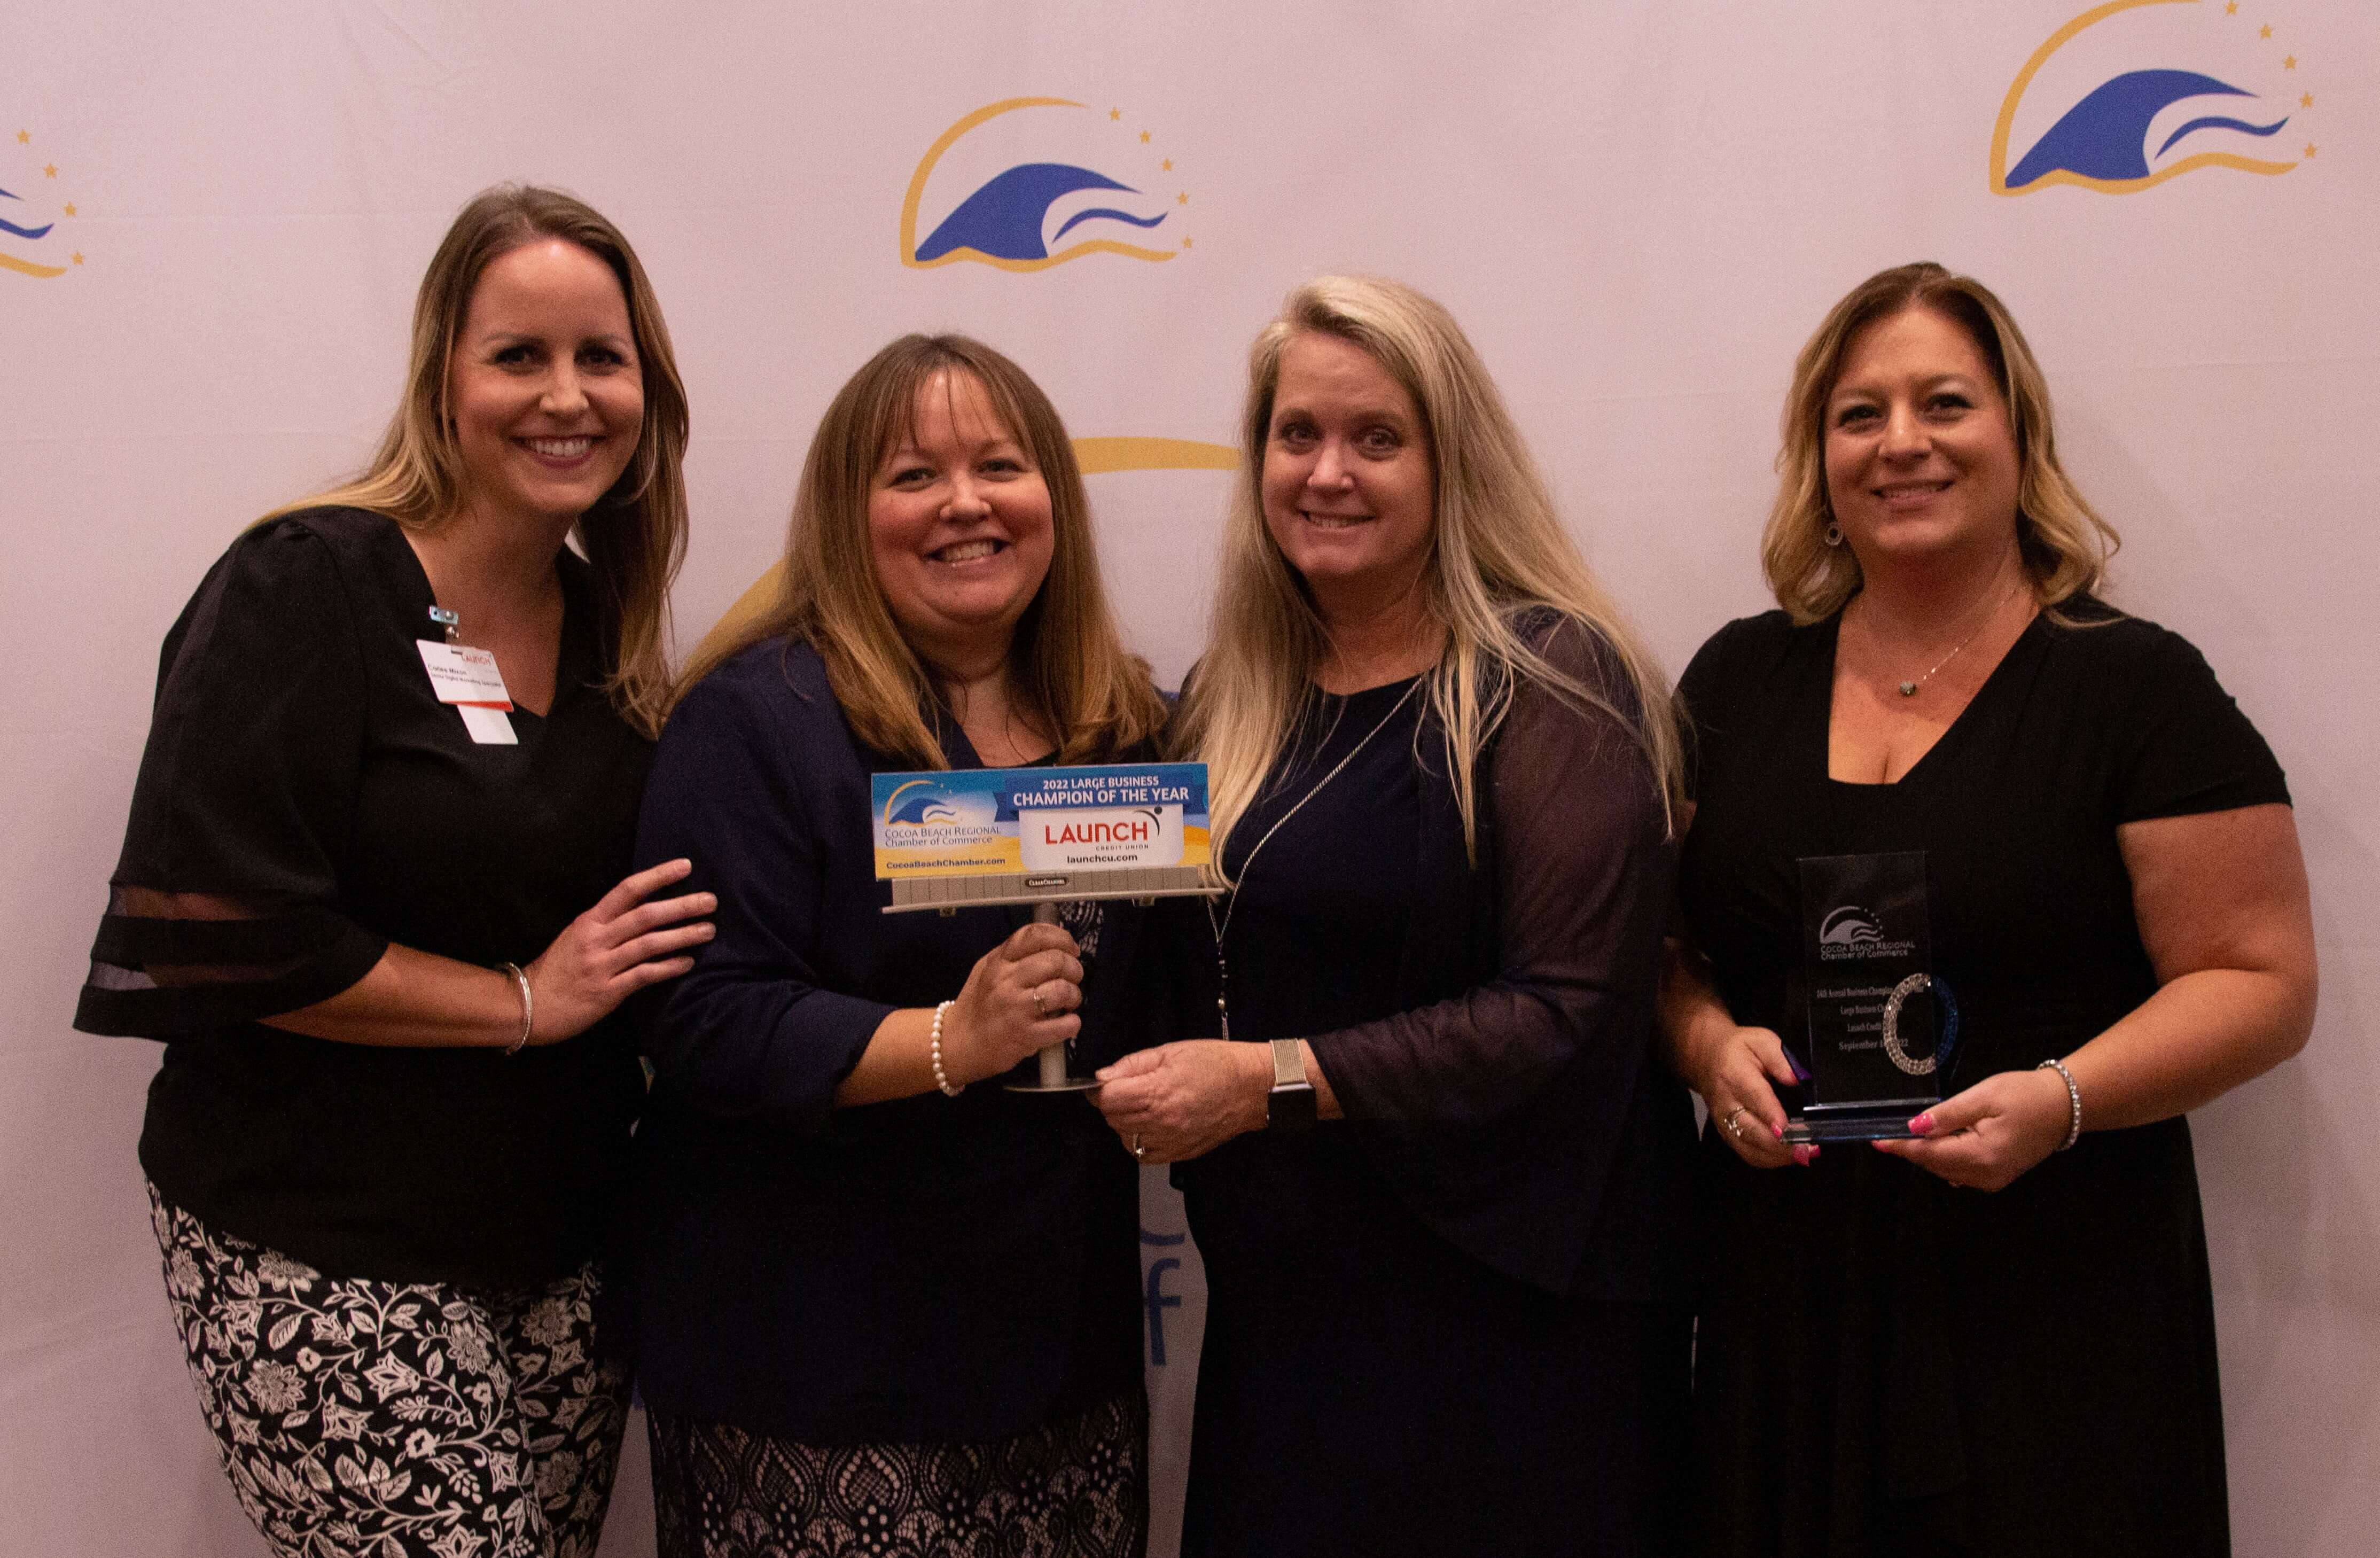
1883 1030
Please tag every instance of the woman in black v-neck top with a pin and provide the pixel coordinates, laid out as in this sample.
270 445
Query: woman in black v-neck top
1995 1338
383 937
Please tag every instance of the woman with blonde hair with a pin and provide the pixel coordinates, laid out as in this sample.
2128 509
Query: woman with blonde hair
1434 1169
2071 850
883 1302
371 897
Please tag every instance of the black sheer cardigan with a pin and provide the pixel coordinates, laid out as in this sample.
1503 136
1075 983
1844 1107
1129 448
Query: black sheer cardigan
1518 1105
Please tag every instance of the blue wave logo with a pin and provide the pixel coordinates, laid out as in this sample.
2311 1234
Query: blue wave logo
1850 926
2166 112
919 803
1019 217
35 217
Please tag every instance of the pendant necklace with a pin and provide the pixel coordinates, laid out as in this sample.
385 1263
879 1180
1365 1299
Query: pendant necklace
1222 972
1909 690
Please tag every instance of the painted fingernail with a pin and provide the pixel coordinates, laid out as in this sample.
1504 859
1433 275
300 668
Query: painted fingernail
1922 1124
1799 1075
1778 1131
1801 1155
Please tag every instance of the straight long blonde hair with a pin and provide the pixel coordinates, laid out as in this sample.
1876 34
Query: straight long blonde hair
1499 558
1067 666
2063 542
635 536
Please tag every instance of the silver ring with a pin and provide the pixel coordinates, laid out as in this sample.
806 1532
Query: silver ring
1139 1155
1728 1121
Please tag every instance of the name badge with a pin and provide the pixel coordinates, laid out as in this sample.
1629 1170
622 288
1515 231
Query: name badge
467 679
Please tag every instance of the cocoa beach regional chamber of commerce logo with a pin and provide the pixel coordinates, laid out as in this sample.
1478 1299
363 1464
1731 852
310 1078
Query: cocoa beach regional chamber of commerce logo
923 804
37 211
1849 930
2135 93
1028 183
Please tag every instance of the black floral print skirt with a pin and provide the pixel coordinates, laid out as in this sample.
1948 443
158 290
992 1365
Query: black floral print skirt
1074 1487
419 1418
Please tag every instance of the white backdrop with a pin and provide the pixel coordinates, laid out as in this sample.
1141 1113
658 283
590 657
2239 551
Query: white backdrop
1639 210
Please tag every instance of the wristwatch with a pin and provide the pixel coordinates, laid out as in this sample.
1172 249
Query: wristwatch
1290 1105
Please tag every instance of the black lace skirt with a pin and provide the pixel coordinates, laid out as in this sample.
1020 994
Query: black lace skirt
1074 1487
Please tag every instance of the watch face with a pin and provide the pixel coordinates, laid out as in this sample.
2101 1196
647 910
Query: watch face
1290 1107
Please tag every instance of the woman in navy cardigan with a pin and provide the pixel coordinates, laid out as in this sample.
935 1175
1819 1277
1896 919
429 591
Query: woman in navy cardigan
879 1300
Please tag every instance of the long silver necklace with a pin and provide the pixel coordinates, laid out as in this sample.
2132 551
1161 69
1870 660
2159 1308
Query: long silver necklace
1909 690
1223 971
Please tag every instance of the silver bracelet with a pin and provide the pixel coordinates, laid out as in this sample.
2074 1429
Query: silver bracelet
2073 1102
528 1007
934 1051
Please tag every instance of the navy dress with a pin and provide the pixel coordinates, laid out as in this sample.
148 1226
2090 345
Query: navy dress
1454 1321
910 1326
1887 1363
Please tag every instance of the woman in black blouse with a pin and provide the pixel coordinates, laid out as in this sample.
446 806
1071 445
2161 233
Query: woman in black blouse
2099 850
1450 1316
883 1304
383 934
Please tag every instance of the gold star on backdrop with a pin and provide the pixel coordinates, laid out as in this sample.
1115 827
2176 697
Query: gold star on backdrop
2232 9
2306 102
1182 198
1144 138
1115 113
2290 63
2310 150
2265 30
71 210
1185 243
50 171
24 138
78 258
1166 166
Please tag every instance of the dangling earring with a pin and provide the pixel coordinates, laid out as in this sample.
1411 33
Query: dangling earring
1834 535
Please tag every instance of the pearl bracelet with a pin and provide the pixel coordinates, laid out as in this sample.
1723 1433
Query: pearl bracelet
528 1007
2073 1102
934 1051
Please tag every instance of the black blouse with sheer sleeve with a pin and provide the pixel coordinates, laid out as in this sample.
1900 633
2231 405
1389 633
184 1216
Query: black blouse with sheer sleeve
304 801
1504 1083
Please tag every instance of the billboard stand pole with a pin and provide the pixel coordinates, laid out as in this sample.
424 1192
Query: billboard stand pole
1054 1078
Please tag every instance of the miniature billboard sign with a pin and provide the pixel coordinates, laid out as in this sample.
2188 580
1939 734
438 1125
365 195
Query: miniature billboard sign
1031 836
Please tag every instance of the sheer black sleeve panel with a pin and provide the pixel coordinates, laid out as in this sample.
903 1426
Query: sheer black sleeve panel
1583 869
224 905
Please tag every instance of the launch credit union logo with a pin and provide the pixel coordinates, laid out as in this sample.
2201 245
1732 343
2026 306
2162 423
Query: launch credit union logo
1102 838
2133 94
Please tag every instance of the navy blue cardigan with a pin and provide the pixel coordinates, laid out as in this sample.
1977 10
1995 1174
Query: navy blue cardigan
929 1269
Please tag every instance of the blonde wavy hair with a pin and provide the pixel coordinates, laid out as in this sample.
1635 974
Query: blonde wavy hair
1068 667
635 536
1499 562
2064 543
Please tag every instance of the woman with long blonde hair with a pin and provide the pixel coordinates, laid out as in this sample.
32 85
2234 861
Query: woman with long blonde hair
880 1297
1433 1169
372 898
